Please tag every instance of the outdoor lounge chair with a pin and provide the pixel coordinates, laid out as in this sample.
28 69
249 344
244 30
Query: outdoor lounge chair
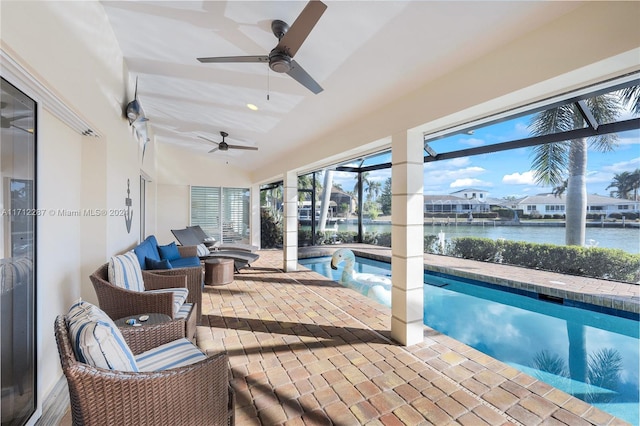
128 379
192 247
194 235
241 259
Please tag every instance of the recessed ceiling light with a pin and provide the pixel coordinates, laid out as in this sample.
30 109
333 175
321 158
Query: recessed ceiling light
252 107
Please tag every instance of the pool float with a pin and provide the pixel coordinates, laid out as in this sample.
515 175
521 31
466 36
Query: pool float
377 287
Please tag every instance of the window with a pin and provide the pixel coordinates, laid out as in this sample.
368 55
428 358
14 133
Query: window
223 213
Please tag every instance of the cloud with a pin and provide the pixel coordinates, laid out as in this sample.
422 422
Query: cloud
599 177
526 178
440 176
522 129
472 142
469 182
623 166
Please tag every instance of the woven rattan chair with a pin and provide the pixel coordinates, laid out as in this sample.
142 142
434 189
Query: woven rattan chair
195 277
118 302
198 394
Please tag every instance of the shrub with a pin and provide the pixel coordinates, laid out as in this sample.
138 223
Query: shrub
270 230
602 263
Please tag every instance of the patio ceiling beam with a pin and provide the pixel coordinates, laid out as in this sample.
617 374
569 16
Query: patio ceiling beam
620 126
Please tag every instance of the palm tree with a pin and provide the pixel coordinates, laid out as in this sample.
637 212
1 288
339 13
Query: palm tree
554 162
635 183
366 183
373 190
621 181
626 184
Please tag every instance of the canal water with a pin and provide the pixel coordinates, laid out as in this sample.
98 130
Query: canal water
627 239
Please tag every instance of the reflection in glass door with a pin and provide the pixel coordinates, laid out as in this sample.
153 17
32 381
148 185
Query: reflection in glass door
17 255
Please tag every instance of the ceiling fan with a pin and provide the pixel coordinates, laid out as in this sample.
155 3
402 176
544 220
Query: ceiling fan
223 146
280 59
7 123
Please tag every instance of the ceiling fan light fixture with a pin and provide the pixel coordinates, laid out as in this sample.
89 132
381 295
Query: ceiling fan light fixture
252 107
279 62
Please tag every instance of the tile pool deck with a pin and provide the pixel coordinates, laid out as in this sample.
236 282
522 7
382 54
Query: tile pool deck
304 350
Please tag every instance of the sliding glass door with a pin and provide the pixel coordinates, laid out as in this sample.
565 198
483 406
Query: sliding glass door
17 260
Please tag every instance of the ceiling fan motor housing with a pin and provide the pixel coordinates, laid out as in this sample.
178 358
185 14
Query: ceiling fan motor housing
279 61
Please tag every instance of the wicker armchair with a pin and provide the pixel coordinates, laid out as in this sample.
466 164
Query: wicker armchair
118 302
195 279
198 394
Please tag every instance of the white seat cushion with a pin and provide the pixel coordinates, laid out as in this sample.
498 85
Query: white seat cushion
96 340
125 272
174 354
179 297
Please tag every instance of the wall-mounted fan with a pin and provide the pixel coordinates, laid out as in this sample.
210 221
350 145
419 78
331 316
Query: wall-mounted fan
223 146
133 111
280 59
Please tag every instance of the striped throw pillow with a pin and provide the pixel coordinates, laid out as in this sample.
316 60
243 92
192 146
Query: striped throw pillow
96 340
124 271
202 250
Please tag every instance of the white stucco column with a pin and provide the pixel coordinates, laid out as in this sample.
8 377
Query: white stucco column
254 220
290 211
407 237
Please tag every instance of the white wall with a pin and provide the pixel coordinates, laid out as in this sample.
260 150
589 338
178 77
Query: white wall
59 255
177 170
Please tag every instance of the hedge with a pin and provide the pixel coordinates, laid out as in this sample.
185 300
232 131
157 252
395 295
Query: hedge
610 264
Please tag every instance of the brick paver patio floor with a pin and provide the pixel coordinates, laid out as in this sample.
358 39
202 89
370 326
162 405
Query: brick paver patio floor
303 350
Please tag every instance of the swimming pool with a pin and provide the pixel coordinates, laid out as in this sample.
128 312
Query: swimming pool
588 354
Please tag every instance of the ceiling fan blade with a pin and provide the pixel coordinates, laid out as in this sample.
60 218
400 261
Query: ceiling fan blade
21 128
304 23
208 140
226 59
251 148
300 75
213 150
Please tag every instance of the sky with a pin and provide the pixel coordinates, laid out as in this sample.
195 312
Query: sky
509 173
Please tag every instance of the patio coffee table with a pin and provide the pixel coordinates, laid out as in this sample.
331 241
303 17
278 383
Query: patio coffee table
218 271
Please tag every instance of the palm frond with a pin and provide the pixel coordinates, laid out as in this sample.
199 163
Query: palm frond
550 363
550 163
630 96
552 121
606 109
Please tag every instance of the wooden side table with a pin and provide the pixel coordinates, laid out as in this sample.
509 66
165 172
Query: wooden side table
218 271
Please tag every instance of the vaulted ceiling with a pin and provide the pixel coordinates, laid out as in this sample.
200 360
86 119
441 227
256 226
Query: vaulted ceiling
363 54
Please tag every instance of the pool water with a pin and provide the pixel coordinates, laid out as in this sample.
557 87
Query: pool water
588 354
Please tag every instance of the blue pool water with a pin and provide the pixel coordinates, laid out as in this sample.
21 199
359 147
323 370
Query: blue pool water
591 355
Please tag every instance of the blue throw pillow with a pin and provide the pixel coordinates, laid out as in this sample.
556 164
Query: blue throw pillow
157 264
169 252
